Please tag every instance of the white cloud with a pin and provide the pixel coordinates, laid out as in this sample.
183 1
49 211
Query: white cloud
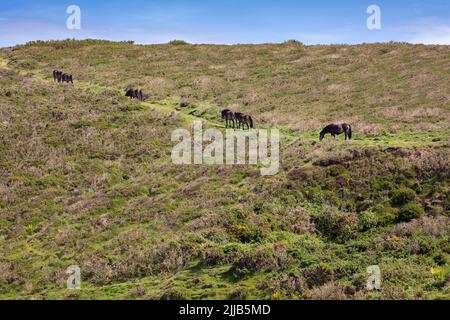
433 35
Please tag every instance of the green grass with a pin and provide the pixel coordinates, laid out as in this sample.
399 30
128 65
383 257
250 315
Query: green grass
86 175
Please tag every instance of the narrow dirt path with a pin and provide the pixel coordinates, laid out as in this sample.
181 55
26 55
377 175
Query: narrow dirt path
402 139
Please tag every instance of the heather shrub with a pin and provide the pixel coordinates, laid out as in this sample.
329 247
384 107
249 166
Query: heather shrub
297 221
240 293
9 274
329 291
212 255
286 284
173 294
435 227
268 257
318 275
137 292
336 225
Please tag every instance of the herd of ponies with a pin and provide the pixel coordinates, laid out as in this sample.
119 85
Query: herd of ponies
236 120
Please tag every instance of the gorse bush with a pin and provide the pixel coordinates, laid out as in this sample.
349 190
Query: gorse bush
294 42
247 234
367 220
409 212
403 196
178 43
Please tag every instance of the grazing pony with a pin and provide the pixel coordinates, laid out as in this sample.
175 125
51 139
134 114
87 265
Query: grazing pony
130 93
62 77
337 129
57 75
134 94
228 116
243 120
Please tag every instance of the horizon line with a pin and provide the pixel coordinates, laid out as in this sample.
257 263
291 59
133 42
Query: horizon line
184 42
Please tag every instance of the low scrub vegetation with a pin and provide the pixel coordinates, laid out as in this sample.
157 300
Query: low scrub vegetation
87 179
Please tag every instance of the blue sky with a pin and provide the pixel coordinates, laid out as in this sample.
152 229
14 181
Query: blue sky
227 21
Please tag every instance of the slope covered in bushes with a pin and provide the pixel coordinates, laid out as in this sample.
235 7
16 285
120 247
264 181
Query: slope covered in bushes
87 178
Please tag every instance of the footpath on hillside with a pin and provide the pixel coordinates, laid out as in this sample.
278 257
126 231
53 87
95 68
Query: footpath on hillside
414 139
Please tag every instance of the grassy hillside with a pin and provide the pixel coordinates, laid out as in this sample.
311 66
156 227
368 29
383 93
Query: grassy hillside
87 179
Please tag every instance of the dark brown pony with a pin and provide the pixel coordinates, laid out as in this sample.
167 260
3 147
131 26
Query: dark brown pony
244 120
337 129
134 94
228 116
57 75
62 77
130 93
67 78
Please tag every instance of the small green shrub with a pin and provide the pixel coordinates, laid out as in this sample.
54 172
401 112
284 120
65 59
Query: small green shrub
294 42
386 219
178 43
246 234
382 184
386 215
336 171
367 220
402 196
409 212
